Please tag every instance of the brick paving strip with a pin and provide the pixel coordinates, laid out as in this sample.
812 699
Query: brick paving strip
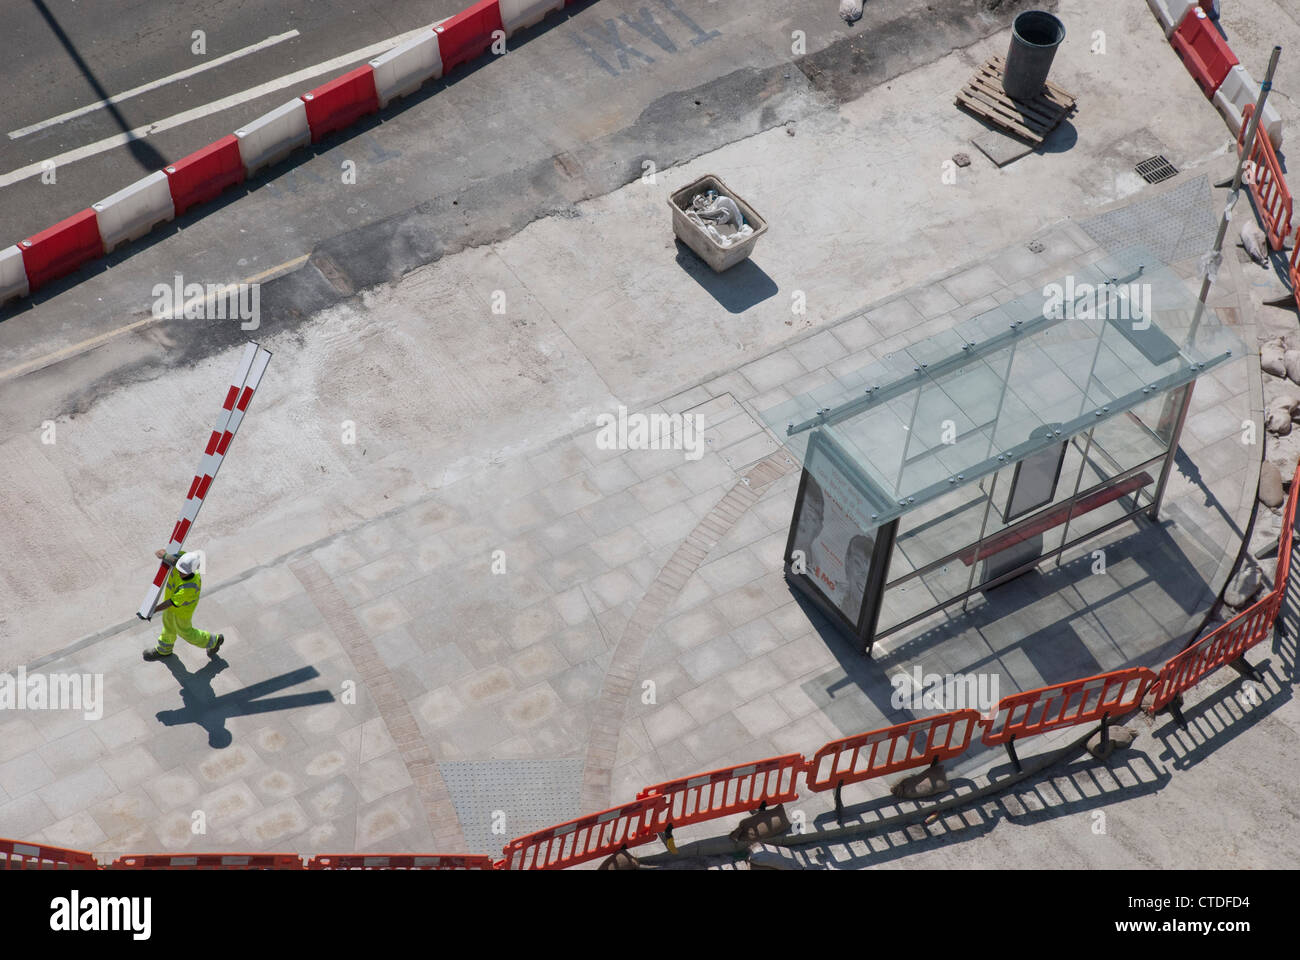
393 709
620 678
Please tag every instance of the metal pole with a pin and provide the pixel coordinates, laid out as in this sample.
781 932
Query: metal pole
974 564
1069 514
911 425
1011 752
1154 513
1175 707
1247 147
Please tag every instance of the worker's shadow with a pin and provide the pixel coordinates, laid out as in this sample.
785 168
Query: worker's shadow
204 707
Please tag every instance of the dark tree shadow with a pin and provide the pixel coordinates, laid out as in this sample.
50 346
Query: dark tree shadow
204 707
143 152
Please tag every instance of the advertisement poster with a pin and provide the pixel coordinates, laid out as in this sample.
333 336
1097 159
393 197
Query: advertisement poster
832 534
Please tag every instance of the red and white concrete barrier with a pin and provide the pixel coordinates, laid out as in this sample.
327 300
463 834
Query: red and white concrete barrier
202 175
1238 89
273 136
520 14
61 248
1170 13
133 211
469 33
1212 64
1204 53
205 173
402 70
13 276
344 100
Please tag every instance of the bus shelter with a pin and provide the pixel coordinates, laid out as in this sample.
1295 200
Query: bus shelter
951 466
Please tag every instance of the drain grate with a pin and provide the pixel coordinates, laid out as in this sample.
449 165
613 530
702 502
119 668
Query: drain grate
1156 169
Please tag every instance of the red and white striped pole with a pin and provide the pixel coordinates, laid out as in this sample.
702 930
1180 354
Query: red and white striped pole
242 387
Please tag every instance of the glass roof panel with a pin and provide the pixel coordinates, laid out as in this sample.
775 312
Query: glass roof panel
1039 369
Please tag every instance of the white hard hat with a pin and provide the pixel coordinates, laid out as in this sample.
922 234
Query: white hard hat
188 563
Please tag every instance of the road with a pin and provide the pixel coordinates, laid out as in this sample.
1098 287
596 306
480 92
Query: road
230 60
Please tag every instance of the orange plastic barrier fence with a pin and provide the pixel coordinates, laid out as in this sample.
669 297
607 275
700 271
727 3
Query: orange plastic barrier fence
916 743
1067 704
1228 642
1267 183
587 838
208 861
398 861
740 789
17 855
1288 515
1212 651
1295 267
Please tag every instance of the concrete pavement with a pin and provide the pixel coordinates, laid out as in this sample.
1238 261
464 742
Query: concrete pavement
334 563
598 574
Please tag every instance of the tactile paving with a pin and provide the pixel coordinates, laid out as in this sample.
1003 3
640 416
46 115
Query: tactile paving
1173 225
514 796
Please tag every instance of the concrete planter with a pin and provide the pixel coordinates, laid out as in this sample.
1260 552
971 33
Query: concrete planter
718 257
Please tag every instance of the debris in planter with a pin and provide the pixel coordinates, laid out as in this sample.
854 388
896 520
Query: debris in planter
718 215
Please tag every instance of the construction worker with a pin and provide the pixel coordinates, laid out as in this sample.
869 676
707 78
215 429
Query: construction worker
180 597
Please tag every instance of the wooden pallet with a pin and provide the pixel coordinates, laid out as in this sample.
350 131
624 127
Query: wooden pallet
1030 120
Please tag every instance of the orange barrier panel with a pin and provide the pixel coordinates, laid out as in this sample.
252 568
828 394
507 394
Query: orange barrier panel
740 789
16 855
398 861
1221 646
587 838
916 743
1267 183
1066 704
208 861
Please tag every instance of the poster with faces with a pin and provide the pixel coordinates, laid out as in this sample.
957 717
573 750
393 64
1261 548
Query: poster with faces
832 532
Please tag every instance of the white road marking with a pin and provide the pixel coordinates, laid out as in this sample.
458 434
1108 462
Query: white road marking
152 85
216 106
